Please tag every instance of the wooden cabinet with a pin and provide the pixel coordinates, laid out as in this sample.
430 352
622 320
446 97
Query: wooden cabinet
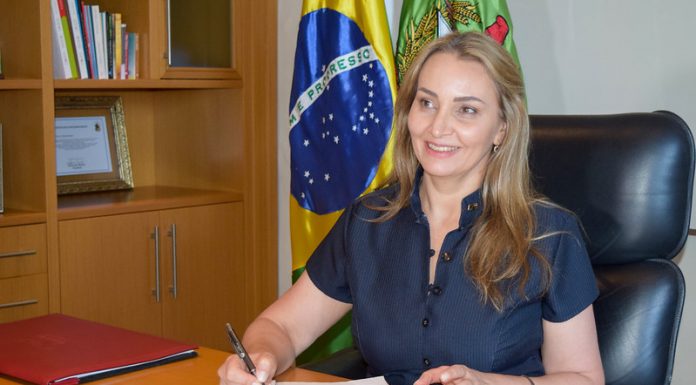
177 272
203 157
23 279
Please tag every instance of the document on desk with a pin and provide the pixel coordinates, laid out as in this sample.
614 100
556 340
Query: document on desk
58 349
367 381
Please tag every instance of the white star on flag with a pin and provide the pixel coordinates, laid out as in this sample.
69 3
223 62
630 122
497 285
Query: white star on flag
306 174
336 140
306 142
364 78
326 177
365 131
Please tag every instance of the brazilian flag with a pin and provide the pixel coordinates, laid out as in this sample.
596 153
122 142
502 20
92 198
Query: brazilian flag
340 118
424 20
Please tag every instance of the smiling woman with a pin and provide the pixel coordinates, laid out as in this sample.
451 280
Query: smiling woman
454 122
454 269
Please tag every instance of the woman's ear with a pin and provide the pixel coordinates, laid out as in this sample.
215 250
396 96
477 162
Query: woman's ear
500 136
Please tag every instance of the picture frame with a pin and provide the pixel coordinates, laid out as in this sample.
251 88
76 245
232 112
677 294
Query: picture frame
91 144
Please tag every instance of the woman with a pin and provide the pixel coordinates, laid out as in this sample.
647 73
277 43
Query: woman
456 272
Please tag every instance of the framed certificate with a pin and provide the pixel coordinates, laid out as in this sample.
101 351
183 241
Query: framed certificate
91 144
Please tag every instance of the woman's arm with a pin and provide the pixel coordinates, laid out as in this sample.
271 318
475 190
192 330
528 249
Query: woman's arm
284 330
570 355
570 352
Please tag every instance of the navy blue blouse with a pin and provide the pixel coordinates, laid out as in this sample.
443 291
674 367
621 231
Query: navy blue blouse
403 325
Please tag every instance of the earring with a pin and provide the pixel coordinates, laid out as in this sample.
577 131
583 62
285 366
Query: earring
496 148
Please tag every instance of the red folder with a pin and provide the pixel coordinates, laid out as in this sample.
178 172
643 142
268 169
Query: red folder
57 349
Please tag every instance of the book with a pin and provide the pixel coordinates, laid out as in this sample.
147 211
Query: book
67 35
59 349
88 38
109 19
76 31
124 54
61 63
105 41
132 55
99 43
118 45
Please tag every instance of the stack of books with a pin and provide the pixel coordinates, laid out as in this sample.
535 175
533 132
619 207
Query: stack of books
89 43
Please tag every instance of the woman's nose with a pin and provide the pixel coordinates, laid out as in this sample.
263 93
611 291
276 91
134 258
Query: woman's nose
440 124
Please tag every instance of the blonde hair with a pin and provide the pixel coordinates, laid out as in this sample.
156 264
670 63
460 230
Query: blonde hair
502 236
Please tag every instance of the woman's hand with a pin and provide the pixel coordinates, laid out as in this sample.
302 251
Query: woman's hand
234 372
451 375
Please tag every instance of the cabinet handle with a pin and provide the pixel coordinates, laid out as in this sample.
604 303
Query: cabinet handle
156 291
18 303
20 253
173 288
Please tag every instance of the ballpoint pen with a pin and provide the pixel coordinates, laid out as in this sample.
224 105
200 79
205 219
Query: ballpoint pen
239 349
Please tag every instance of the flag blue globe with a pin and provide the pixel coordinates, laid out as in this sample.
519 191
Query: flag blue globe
341 111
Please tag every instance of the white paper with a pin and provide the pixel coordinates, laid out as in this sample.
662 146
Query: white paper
82 146
367 381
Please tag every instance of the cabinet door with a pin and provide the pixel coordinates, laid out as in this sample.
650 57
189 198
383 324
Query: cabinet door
210 273
23 279
108 270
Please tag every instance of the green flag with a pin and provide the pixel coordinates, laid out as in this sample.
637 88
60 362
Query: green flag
424 20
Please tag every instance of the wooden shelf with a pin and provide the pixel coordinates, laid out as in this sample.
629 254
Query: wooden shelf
210 130
13 217
137 200
146 84
20 84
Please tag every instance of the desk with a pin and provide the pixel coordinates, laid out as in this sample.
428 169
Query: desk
201 370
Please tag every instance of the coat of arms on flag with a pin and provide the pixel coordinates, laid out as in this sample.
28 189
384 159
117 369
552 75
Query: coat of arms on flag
424 20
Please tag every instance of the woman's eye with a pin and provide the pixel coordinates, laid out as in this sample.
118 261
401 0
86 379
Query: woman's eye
467 110
426 103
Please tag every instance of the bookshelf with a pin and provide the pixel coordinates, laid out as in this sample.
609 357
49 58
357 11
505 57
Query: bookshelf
203 152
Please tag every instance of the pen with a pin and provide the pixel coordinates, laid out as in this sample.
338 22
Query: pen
239 349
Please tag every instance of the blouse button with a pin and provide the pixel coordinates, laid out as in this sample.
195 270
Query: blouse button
425 322
437 290
426 362
431 252
446 256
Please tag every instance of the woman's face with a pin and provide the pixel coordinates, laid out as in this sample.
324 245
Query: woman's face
455 119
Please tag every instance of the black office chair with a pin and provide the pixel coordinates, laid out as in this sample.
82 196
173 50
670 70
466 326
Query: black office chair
629 178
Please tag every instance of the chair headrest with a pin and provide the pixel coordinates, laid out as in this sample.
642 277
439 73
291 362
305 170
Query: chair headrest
628 177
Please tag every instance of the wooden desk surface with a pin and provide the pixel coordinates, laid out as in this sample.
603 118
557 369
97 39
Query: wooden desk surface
200 370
